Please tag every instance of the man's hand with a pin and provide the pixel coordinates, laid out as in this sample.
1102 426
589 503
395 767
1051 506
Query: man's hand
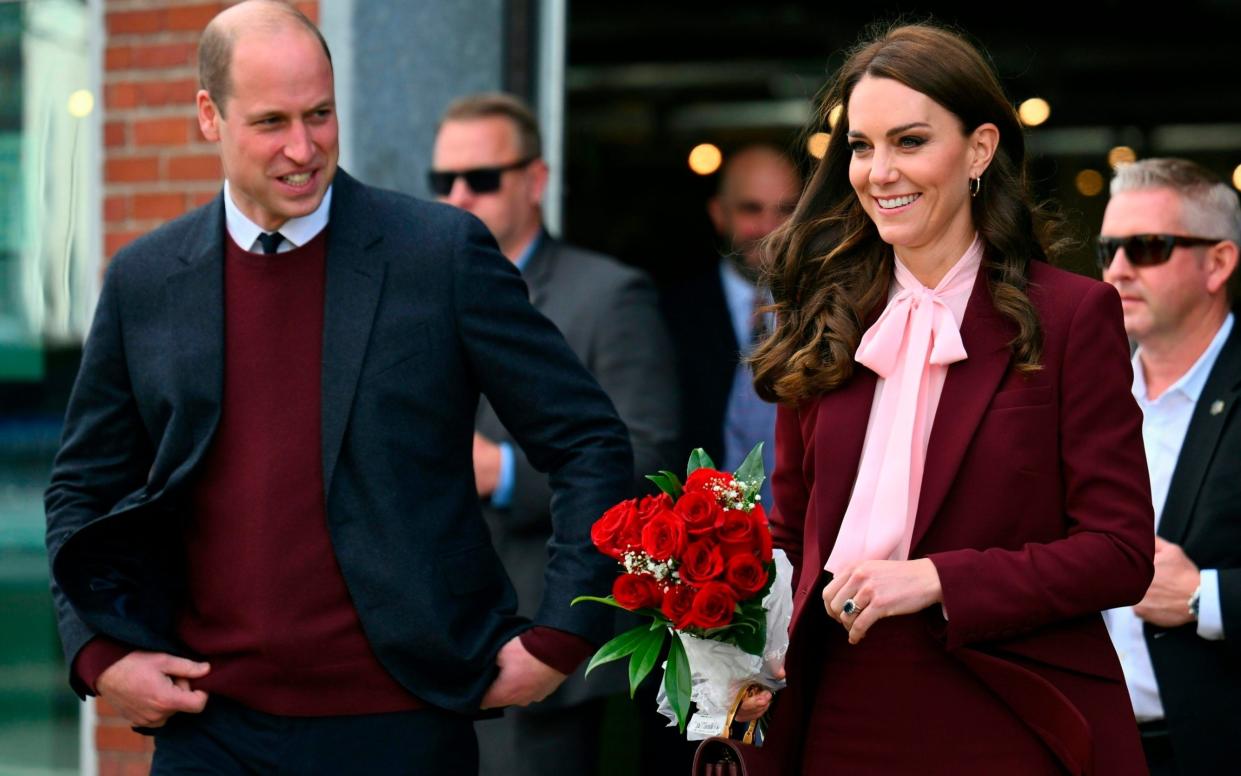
1166 603
523 679
486 465
149 687
757 701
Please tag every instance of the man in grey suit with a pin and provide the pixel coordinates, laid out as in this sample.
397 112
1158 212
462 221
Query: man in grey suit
487 160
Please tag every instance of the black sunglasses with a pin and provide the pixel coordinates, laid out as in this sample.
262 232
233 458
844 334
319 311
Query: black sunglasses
481 180
1144 250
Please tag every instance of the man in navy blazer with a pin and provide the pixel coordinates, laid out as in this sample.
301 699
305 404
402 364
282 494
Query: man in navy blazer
266 543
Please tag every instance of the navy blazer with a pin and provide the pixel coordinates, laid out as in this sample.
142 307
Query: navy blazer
422 314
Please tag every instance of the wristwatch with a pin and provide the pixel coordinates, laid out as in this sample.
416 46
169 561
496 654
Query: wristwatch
1194 600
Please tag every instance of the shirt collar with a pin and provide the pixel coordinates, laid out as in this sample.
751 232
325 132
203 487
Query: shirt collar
296 231
524 258
1194 380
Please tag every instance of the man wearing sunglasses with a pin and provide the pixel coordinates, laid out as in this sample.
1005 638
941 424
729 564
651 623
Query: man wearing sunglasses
1169 245
487 160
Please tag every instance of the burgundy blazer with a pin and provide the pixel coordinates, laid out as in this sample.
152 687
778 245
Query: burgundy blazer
1035 509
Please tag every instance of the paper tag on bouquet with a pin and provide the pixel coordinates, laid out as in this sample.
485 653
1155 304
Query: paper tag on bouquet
703 726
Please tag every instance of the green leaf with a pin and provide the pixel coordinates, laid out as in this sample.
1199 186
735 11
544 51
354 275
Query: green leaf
621 646
644 658
609 600
752 640
677 682
667 482
751 469
698 460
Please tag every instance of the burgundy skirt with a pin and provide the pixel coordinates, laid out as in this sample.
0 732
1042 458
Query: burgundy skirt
898 703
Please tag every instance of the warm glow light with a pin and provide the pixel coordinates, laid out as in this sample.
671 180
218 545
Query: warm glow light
705 159
1034 111
1236 177
1089 183
833 116
81 103
816 144
1120 156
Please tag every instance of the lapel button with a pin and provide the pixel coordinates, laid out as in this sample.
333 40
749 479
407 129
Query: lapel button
1217 406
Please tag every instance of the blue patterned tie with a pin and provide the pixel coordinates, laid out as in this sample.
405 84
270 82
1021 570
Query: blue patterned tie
270 241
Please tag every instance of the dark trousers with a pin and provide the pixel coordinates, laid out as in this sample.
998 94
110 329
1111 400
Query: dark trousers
228 738
1157 746
538 741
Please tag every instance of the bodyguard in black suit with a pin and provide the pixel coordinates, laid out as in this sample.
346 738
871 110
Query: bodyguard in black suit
420 315
488 160
1169 245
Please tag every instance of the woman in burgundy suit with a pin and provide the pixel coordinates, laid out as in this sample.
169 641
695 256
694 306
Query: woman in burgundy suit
960 479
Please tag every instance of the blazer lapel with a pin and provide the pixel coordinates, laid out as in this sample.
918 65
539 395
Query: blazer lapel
194 301
539 270
967 392
354 280
1215 406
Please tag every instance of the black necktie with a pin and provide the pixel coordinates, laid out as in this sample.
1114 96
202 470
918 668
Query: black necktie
270 241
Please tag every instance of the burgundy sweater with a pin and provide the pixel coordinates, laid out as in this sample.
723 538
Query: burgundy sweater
267 604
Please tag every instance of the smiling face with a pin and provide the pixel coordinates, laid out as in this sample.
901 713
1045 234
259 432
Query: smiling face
911 165
277 129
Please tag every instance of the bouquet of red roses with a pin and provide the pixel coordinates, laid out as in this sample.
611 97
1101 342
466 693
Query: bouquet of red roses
697 560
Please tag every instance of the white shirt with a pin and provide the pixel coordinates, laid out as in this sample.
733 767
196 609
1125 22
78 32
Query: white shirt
1165 421
296 231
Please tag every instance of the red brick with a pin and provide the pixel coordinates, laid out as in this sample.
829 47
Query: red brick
120 739
191 18
137 766
164 55
114 209
196 167
172 131
114 133
131 169
113 242
117 57
310 9
122 95
167 92
134 22
202 198
158 206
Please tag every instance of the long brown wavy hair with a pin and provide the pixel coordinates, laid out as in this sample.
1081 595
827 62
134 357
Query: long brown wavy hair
828 268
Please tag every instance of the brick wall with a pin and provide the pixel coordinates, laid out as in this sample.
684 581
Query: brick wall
156 166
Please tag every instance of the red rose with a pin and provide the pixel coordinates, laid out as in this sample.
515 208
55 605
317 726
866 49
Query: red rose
745 574
762 532
701 512
701 563
649 506
677 604
611 533
663 537
636 591
737 529
708 481
713 606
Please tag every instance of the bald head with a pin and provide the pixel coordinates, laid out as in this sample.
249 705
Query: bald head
758 189
252 17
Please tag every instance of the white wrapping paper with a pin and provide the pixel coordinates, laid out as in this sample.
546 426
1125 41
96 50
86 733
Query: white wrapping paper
720 671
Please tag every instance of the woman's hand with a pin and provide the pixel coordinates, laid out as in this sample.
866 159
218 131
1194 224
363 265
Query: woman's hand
757 702
878 589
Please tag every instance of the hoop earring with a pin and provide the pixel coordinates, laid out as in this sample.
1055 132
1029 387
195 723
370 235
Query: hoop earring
975 186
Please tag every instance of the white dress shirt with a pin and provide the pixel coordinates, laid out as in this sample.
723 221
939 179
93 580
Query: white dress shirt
296 231
1165 421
